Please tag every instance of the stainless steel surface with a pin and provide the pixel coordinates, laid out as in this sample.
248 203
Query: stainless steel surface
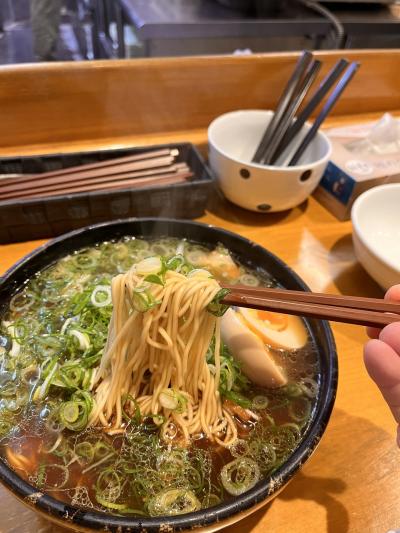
157 19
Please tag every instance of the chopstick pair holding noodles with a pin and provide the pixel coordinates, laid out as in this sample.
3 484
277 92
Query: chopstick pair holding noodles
338 308
282 130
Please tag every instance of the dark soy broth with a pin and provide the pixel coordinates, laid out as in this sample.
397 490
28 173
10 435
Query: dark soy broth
51 339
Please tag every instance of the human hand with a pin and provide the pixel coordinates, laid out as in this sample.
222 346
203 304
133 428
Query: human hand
382 360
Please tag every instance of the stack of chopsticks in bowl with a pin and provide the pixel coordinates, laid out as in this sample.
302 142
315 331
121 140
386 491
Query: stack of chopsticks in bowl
155 167
280 144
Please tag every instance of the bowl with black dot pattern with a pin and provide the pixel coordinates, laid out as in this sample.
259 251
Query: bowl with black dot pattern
233 139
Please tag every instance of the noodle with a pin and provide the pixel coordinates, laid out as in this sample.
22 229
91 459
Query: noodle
156 356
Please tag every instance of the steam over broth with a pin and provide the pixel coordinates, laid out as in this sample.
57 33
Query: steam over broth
52 339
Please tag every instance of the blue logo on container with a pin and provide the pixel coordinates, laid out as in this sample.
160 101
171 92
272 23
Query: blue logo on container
338 183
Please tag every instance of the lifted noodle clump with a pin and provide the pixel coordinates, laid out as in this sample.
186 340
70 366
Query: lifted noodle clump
155 355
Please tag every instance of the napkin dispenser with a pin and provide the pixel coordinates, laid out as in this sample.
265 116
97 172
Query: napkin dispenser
363 156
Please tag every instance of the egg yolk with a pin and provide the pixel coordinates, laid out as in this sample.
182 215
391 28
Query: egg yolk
275 320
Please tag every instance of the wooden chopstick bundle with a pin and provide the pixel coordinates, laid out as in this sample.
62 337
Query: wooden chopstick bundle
338 308
149 168
282 130
129 169
164 179
139 178
102 165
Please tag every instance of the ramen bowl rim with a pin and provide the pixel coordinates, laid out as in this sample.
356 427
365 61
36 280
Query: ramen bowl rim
71 516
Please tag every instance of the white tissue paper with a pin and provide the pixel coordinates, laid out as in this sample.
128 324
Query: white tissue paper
363 156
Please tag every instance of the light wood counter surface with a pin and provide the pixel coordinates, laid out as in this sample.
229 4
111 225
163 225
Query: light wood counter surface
352 482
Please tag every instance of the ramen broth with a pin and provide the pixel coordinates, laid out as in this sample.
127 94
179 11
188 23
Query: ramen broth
51 341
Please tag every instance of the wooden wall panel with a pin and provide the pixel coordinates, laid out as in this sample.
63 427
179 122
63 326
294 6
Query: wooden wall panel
64 102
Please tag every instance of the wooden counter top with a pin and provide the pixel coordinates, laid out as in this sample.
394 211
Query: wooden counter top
351 483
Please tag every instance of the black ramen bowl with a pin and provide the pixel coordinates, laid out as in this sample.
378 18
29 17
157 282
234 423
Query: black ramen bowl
249 254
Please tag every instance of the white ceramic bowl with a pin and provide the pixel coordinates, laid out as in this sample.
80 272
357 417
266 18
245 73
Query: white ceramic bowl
233 139
376 233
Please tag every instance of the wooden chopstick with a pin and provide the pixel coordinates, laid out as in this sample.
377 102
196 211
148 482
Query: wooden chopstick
23 184
143 156
338 308
285 99
317 297
136 183
79 180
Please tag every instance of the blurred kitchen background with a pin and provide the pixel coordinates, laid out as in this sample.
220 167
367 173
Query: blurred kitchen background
98 29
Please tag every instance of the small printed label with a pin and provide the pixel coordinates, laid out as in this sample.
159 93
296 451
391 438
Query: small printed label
338 183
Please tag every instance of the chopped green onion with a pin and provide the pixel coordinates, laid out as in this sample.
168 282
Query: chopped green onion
82 338
294 428
240 475
215 307
309 387
41 475
299 409
152 278
8 386
87 378
84 260
64 471
41 392
16 346
74 415
101 450
85 450
150 265
111 505
99 462
264 453
259 402
143 301
175 263
239 448
168 399
293 390
69 412
101 296
20 331
282 438
171 399
173 502
237 398
199 273
22 301
137 416
55 445
249 280
85 397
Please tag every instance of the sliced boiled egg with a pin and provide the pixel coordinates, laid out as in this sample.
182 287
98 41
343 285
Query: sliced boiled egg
278 330
257 362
